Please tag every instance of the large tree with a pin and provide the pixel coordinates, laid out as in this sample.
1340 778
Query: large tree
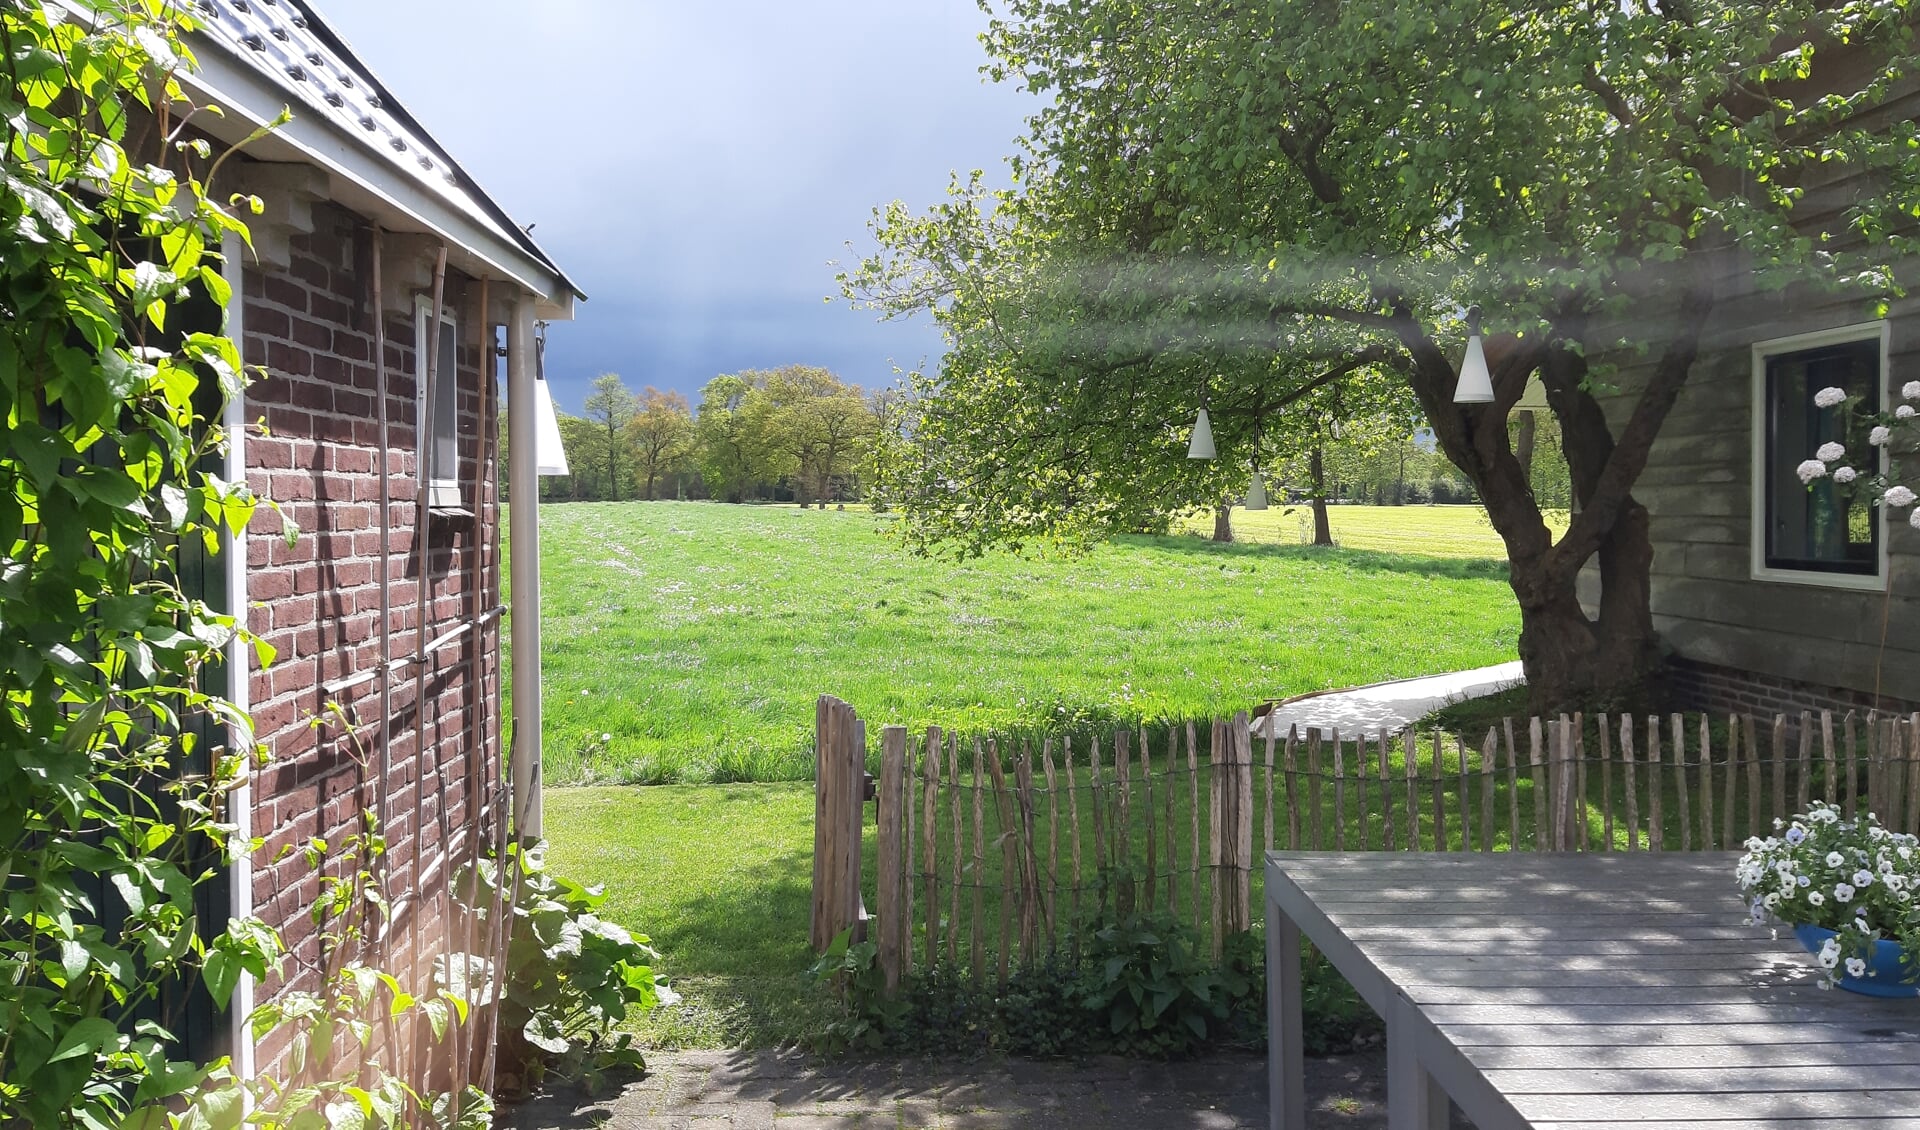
821 424
1217 201
661 435
611 406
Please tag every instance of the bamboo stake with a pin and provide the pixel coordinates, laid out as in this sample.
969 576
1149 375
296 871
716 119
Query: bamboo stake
1680 794
1489 750
1513 786
1627 782
1412 747
1386 792
1706 785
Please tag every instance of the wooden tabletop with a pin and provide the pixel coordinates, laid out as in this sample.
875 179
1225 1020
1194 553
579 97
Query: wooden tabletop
1609 990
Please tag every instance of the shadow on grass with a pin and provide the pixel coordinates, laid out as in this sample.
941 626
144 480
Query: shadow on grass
1361 560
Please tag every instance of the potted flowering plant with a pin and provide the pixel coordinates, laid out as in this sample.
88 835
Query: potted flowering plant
1832 461
1851 891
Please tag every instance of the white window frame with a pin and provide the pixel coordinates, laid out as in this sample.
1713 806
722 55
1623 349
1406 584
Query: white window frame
1880 331
443 492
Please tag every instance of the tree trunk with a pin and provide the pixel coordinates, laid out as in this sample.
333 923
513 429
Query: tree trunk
1322 528
1223 522
1400 482
1523 443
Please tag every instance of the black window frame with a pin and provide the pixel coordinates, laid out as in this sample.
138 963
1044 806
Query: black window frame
1774 452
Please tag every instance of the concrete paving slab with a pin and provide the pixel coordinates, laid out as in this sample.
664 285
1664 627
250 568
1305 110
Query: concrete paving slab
1388 706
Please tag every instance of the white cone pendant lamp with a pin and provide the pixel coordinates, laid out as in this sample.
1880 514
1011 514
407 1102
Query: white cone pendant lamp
1200 446
1476 383
1257 492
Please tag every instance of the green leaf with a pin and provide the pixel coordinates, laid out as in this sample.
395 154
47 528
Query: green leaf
86 1037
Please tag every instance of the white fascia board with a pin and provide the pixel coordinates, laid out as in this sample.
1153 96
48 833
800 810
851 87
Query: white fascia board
245 94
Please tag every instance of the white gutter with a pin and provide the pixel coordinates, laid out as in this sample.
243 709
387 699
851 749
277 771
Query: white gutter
239 673
361 182
523 501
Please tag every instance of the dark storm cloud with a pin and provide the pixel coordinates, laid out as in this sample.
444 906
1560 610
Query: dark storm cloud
695 167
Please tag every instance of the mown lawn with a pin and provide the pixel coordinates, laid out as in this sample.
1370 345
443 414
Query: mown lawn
688 641
1435 531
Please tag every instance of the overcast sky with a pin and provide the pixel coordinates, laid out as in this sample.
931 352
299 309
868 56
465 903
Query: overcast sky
696 165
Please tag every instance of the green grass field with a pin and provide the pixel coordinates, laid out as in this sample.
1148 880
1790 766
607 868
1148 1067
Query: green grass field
1433 531
688 641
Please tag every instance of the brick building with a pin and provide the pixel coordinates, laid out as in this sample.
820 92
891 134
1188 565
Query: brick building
384 290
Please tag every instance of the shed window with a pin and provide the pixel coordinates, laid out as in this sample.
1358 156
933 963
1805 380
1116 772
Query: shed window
441 390
1830 532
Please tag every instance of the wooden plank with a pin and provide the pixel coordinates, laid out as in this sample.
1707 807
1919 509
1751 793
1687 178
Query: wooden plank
1593 1038
1146 797
956 816
1606 784
979 859
1681 798
1873 770
1122 831
1706 785
930 840
1804 1080
1436 772
909 872
1828 758
1656 822
1313 790
1097 808
1489 751
1913 774
855 731
1733 775
1752 1106
1293 788
1035 904
1466 807
1412 755
1193 796
1582 813
1627 784
1073 840
1779 769
1513 787
1537 759
1053 845
1720 1057
1216 832
1010 867
1852 768
1362 777
1755 821
1896 776
1268 824
1173 756
1802 790
1718 1124
1339 793
1386 791
889 903
825 774
1243 808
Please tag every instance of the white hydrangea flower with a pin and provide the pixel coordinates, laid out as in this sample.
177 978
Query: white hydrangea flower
1880 436
1830 396
1831 452
1911 390
1845 475
1810 470
1900 496
1905 412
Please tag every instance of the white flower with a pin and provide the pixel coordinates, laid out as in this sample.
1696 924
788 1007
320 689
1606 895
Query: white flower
1804 881
1880 436
1905 412
1845 474
1843 892
1830 953
1795 834
1816 898
606 737
1863 878
1810 470
1911 390
1835 859
1899 496
1856 967
1829 452
1830 396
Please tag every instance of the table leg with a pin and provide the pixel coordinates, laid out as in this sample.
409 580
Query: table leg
1286 1071
1414 1100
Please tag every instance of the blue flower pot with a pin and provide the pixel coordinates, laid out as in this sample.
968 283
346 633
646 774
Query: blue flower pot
1886 975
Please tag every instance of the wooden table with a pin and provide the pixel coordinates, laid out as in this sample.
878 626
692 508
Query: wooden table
1582 992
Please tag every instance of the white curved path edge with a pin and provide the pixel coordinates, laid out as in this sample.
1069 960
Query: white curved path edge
1389 706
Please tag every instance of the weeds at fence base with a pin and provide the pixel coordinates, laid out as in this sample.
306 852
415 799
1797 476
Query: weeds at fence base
1140 986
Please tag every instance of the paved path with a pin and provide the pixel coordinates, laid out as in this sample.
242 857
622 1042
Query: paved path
1390 706
789 1091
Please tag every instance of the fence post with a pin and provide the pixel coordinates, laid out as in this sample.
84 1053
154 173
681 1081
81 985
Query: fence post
890 895
839 785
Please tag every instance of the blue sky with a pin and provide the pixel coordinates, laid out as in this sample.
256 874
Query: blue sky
696 165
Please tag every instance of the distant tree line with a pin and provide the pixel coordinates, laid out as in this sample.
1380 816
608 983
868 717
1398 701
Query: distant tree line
795 433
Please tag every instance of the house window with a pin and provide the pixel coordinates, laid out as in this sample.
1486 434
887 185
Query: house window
1830 533
441 450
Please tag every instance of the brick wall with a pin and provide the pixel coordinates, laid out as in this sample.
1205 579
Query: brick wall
427 765
1727 690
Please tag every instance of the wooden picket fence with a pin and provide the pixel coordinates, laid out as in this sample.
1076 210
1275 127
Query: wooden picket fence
992 850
